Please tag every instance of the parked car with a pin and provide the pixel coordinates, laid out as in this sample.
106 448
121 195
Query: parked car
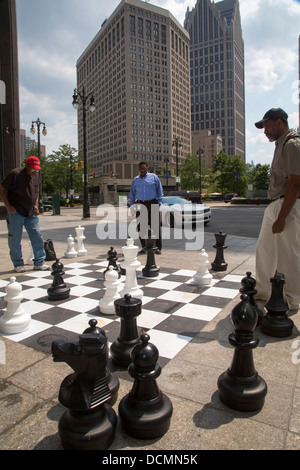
193 196
47 207
177 211
228 196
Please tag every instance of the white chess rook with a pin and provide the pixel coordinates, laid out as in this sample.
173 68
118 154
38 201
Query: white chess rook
71 252
130 264
106 304
81 251
202 277
15 318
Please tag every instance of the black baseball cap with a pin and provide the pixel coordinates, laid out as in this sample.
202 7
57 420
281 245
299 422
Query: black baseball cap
272 114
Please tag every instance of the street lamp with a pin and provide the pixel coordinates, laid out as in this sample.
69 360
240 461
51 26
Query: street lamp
32 130
177 144
200 154
166 160
83 97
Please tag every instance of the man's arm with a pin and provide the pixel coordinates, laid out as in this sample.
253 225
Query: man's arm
291 194
7 204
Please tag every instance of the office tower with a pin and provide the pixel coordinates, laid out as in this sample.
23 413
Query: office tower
137 67
217 72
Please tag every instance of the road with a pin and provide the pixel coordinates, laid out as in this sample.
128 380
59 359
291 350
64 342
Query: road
238 221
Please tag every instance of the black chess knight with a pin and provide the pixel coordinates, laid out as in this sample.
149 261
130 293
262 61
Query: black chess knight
89 393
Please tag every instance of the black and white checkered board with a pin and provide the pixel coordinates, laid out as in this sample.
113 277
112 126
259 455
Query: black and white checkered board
174 310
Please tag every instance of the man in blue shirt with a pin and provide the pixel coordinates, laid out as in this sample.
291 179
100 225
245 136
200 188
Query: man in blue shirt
146 190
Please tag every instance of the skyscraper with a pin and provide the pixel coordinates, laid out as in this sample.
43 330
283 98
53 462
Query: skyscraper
137 67
217 72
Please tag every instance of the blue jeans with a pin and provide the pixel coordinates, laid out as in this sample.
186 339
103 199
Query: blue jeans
15 224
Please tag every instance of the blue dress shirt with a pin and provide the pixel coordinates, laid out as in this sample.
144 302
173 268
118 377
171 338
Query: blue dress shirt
146 188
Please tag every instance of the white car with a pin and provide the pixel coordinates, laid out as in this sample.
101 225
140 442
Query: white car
177 212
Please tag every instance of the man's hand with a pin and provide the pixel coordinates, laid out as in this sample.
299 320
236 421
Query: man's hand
11 209
278 225
36 210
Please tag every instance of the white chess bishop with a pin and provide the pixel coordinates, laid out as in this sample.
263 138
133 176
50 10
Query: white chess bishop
130 264
15 318
106 304
202 276
71 252
81 251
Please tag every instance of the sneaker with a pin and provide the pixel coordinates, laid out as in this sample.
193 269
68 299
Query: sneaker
42 267
20 269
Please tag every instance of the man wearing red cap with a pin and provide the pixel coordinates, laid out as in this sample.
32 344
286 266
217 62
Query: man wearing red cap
20 193
278 245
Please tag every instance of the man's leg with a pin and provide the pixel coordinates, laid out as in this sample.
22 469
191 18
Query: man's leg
266 255
15 229
33 229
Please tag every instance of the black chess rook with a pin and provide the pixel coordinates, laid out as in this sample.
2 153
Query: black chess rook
127 309
276 322
219 264
58 290
240 387
89 393
145 412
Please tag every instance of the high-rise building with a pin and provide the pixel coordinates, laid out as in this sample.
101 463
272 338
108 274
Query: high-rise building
217 72
137 67
27 143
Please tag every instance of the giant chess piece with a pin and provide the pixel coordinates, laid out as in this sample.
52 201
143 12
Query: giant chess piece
106 304
219 263
127 309
202 276
89 393
145 412
131 264
248 287
240 387
81 251
276 322
15 319
58 289
112 261
71 252
150 269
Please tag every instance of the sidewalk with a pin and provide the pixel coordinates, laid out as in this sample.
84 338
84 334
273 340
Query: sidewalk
30 380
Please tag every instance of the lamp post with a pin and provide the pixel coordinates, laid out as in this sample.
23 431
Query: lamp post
32 130
83 97
177 144
71 181
200 155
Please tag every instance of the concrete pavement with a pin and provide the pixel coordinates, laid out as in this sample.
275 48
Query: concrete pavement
30 380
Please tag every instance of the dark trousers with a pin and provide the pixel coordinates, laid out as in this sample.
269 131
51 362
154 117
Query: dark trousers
154 223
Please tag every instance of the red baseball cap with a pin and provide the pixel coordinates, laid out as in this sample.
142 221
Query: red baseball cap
34 162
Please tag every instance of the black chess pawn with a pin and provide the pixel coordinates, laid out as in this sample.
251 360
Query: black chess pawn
145 412
112 261
58 290
128 309
276 322
248 288
219 264
150 269
240 387
89 423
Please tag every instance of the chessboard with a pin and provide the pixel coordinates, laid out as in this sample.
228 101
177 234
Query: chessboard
174 309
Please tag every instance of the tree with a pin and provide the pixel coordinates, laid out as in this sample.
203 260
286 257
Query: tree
230 173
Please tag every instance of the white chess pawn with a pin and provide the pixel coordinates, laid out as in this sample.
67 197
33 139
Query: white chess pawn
202 276
71 252
81 251
111 283
130 264
15 319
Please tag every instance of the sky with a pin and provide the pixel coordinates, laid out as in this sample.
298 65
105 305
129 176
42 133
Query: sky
52 34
